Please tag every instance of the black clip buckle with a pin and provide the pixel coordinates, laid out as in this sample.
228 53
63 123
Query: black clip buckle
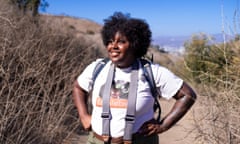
130 118
105 115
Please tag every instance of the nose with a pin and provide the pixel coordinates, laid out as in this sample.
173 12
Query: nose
114 44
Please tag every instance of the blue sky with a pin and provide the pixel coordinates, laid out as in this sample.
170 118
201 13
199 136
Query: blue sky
165 17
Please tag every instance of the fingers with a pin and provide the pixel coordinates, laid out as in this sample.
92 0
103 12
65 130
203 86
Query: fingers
152 129
86 122
88 128
149 128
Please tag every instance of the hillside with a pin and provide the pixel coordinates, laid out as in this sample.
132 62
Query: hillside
71 24
84 29
90 32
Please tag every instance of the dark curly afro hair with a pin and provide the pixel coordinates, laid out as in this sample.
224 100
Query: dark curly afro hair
136 30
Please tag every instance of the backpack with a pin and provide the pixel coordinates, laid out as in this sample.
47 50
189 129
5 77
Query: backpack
147 70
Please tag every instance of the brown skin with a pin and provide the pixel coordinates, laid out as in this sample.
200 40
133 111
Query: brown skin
120 52
80 100
122 55
185 98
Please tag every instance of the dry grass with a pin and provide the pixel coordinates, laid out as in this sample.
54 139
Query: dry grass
217 121
38 64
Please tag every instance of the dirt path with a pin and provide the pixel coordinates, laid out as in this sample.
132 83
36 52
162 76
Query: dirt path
181 133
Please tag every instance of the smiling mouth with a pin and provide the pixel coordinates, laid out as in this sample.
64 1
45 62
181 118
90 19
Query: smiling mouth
114 54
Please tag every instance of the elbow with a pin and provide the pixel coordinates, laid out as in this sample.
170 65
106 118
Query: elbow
189 92
191 98
192 95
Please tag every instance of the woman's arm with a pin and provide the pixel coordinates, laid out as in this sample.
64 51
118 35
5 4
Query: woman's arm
80 97
185 98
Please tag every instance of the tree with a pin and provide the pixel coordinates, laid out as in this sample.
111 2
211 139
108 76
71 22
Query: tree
30 6
207 62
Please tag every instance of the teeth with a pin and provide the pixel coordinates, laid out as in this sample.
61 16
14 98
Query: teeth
114 53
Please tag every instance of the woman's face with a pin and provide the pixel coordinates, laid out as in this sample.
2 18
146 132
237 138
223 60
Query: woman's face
120 52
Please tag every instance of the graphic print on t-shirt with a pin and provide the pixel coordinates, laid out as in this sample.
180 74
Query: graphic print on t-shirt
118 95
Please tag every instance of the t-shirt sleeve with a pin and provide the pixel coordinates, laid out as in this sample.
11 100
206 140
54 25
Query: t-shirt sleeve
167 82
85 78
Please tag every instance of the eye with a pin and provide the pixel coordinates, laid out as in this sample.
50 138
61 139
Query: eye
122 41
110 41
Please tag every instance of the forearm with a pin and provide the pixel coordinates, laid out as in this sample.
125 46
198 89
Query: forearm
179 109
80 101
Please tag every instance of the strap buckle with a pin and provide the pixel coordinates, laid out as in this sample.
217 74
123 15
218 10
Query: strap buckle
105 115
130 118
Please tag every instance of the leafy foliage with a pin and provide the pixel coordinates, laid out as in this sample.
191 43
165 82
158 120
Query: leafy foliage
30 6
216 69
207 62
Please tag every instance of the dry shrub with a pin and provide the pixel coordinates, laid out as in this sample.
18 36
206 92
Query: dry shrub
38 65
217 121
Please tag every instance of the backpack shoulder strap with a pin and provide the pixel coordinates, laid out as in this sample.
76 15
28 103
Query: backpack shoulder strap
147 70
149 76
100 65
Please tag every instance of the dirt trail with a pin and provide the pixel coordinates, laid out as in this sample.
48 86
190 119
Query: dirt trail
181 133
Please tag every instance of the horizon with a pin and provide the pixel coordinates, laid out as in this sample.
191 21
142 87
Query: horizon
165 17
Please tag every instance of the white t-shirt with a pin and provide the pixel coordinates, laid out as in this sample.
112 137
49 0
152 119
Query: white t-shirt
167 83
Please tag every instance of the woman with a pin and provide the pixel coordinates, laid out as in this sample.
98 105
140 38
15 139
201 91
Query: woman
127 40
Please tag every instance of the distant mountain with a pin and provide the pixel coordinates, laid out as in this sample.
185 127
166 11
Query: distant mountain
176 43
171 43
219 38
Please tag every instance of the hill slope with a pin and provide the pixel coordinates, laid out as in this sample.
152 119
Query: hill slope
90 32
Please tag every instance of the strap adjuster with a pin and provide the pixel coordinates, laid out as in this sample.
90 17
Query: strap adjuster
130 118
105 115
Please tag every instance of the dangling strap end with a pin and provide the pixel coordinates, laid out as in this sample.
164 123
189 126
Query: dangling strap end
106 139
127 142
